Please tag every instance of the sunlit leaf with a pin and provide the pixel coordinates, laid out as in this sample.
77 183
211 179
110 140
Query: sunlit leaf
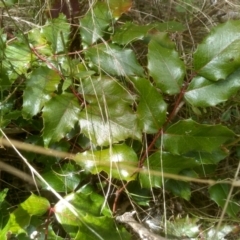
219 194
20 218
104 128
166 68
94 220
59 116
113 161
188 135
42 82
114 60
151 109
218 55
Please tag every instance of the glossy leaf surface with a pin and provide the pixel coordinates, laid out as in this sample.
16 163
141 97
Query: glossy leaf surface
163 162
219 194
59 116
165 67
218 55
204 93
41 83
114 60
113 161
151 108
188 135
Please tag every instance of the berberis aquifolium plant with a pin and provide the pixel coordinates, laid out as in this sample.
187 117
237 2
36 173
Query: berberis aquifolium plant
130 116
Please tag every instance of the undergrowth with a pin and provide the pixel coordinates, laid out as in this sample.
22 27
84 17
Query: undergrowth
123 108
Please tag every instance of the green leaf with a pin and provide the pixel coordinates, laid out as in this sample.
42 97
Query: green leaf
151 109
166 162
179 188
59 116
114 161
93 221
114 60
188 135
64 178
130 32
113 123
57 34
218 55
20 218
165 67
219 194
105 89
94 23
204 93
39 87
18 57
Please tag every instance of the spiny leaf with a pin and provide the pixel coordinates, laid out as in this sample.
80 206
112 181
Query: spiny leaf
109 123
219 194
166 162
218 55
59 116
94 23
42 82
118 156
202 92
151 109
188 135
165 67
114 60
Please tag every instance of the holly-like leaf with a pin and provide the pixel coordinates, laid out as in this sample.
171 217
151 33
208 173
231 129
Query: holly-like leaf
219 194
163 162
179 188
59 116
218 55
114 60
57 34
104 89
188 135
42 82
20 218
130 32
94 220
165 67
109 123
114 161
94 23
151 109
204 93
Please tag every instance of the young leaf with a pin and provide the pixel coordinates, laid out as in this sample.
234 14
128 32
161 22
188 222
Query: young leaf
42 82
59 116
151 109
188 135
218 55
114 60
219 194
204 93
165 67
113 161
